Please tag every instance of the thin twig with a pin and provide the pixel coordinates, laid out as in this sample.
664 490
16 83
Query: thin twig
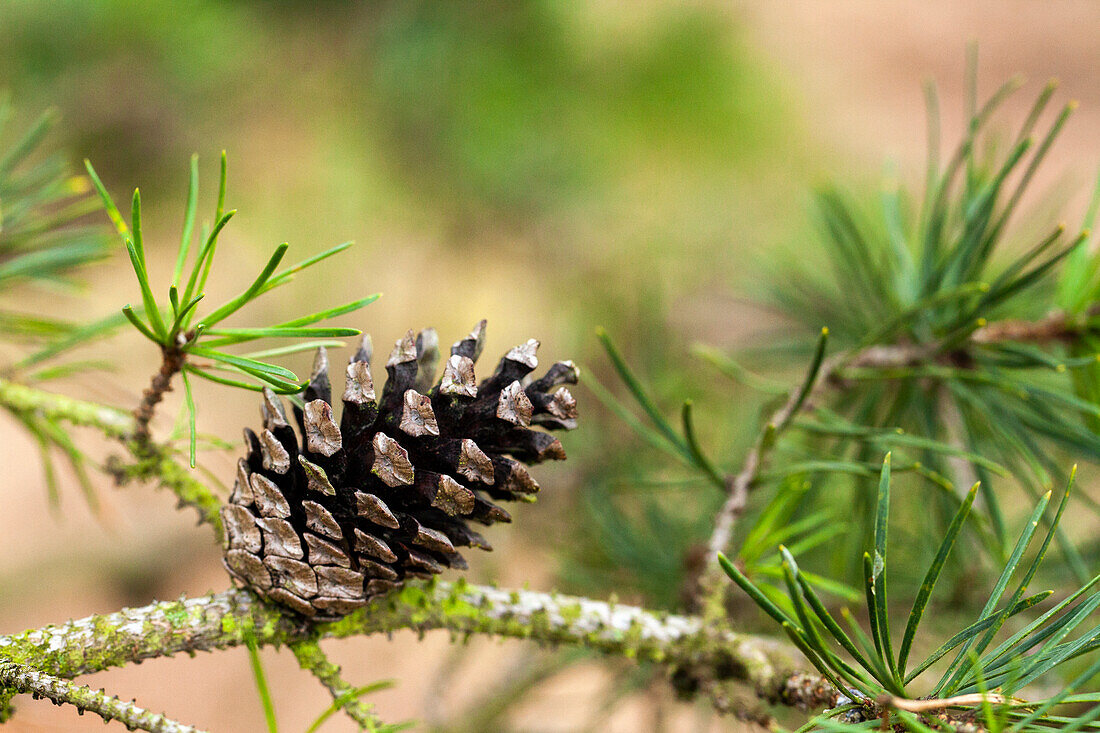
312 658
709 589
171 364
1055 326
921 706
26 679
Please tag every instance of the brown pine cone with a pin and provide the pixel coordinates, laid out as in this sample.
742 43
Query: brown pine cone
388 491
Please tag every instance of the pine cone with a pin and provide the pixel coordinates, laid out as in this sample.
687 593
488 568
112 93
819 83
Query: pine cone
388 492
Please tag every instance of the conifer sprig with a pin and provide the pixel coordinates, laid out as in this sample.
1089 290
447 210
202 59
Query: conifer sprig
46 240
972 361
45 237
194 344
998 343
981 681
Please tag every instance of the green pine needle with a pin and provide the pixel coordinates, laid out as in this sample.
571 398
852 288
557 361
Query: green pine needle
261 683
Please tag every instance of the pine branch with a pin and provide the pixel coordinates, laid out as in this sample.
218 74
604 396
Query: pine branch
218 621
684 643
1056 326
699 650
312 658
25 679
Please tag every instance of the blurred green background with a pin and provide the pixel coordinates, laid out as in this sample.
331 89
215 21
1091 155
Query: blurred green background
551 166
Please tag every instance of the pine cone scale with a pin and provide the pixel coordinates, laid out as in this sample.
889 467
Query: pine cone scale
373 546
294 575
322 432
280 538
391 462
321 521
268 498
248 567
323 551
373 509
339 582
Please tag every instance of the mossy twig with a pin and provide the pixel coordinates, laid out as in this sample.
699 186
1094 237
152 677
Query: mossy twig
312 658
220 620
22 678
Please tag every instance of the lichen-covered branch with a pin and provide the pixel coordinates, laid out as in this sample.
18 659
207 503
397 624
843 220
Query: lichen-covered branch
683 643
23 678
311 657
217 621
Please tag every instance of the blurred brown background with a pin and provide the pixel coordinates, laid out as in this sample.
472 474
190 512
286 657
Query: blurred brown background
550 166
